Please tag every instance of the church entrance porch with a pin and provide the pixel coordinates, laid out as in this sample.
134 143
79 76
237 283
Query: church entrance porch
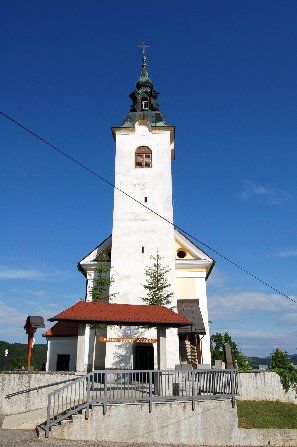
160 323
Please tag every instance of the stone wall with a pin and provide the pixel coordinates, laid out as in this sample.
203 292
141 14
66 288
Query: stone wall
41 382
267 437
263 385
36 386
212 423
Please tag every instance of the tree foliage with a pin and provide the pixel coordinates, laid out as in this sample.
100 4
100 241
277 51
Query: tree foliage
281 364
102 281
157 286
17 356
217 342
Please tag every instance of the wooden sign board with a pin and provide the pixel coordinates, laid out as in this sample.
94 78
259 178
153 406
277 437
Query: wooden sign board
126 340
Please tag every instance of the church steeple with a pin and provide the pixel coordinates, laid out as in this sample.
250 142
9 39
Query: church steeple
144 70
144 99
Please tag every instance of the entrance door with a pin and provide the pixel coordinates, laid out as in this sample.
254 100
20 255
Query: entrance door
144 357
63 361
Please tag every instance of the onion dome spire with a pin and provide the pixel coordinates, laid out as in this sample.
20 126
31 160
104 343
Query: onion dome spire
144 98
144 70
144 80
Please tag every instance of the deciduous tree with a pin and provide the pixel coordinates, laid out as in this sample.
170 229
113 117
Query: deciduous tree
218 341
281 363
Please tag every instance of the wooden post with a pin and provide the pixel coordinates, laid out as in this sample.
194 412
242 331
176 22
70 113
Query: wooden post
198 349
31 325
30 347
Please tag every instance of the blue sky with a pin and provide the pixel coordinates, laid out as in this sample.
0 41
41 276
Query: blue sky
226 73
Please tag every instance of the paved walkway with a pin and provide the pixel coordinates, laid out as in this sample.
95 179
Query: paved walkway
27 438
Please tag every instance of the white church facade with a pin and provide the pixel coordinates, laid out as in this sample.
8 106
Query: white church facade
131 335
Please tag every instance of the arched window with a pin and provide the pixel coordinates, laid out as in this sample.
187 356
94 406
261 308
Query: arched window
143 157
144 104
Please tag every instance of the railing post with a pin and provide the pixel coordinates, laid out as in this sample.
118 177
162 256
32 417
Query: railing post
193 391
105 394
88 396
233 387
47 427
150 391
213 383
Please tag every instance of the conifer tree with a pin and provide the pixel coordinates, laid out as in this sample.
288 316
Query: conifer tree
157 286
101 286
102 281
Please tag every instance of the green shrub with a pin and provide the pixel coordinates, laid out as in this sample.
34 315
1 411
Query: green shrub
281 364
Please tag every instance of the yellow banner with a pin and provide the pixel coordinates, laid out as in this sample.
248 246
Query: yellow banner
125 340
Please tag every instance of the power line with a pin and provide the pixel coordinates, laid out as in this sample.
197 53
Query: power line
86 168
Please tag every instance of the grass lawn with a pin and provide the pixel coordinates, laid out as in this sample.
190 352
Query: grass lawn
266 414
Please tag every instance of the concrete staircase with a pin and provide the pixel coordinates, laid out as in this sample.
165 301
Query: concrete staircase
62 426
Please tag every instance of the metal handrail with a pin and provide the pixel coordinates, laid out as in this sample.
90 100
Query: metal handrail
37 388
122 386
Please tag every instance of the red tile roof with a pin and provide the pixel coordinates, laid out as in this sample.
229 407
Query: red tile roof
62 329
129 314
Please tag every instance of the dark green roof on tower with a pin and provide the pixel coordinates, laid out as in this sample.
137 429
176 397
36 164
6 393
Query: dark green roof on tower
144 100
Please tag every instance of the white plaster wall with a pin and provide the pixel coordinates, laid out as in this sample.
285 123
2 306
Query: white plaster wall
61 345
191 284
120 355
135 227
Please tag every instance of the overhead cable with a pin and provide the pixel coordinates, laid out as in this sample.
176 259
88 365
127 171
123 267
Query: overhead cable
86 168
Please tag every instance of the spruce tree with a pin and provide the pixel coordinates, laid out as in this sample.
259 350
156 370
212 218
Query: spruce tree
101 286
102 281
157 286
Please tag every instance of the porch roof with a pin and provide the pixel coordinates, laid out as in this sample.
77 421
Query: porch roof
122 314
62 329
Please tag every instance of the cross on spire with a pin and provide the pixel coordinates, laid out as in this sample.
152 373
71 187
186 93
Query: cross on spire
143 46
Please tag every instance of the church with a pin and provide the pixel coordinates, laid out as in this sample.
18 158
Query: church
128 333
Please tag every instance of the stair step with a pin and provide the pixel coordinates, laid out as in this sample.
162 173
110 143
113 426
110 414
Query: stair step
66 421
77 417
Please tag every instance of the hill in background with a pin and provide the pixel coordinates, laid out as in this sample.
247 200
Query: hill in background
17 356
256 361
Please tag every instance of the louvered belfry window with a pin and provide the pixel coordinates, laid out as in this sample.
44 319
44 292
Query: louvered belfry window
143 157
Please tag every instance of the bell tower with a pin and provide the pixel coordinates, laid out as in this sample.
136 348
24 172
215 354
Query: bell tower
144 153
